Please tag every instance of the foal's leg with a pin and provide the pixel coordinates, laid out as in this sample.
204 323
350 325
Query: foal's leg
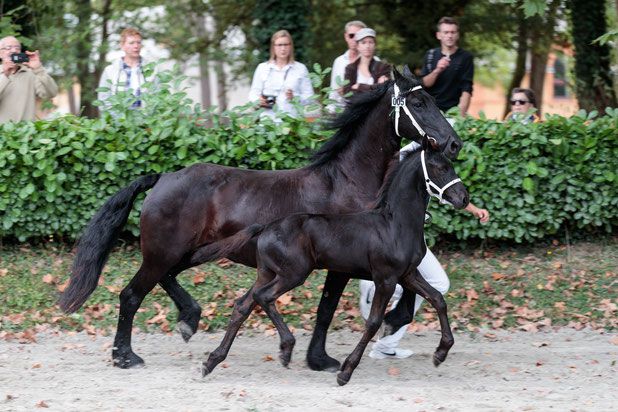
131 298
415 281
242 309
189 310
266 298
384 292
317 358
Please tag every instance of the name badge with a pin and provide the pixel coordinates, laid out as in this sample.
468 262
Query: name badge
398 101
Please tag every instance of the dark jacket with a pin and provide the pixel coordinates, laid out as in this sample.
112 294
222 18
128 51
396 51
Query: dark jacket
376 68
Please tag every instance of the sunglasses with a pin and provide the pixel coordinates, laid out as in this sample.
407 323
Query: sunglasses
516 102
351 35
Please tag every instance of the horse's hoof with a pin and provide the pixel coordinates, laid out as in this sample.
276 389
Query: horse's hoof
206 370
437 361
130 360
342 379
285 358
324 363
185 330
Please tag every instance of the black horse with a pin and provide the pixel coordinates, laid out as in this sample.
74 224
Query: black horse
204 203
385 245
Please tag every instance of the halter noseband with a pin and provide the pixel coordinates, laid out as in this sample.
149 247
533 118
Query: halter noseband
432 188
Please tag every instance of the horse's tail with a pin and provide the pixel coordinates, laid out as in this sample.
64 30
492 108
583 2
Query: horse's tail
97 241
226 246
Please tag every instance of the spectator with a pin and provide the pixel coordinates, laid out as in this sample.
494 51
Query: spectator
448 71
337 75
523 106
388 346
22 82
277 81
367 70
126 73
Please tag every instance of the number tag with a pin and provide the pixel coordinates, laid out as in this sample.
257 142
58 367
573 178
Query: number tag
398 101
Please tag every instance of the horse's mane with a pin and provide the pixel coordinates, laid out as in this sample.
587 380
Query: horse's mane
352 119
348 123
410 156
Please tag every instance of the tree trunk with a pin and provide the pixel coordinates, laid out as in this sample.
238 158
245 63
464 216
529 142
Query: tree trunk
594 84
538 63
221 86
84 48
520 60
203 61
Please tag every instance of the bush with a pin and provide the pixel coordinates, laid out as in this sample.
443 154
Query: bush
536 180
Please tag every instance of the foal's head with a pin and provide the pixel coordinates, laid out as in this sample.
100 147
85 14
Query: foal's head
416 115
441 180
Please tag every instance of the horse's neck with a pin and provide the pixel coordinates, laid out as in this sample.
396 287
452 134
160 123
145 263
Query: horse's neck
367 160
406 205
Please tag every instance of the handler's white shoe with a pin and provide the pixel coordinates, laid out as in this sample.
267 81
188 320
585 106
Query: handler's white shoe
398 353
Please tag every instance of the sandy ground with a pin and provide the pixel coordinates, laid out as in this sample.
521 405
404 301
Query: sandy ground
560 370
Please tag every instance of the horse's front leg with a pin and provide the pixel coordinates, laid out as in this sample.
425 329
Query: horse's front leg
317 358
414 281
384 292
189 311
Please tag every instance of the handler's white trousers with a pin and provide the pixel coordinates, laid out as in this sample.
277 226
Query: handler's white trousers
433 273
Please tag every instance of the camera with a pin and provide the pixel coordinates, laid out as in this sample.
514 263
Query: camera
270 100
19 58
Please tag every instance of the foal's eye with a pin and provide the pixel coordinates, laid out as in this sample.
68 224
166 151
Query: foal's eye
417 105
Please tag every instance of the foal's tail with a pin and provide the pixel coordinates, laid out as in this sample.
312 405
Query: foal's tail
224 247
97 241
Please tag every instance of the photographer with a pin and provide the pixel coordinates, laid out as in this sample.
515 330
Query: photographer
281 78
22 80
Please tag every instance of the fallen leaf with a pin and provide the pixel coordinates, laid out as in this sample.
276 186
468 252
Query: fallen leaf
36 366
498 276
471 294
540 363
49 279
393 371
284 299
268 358
42 404
199 278
560 306
3 273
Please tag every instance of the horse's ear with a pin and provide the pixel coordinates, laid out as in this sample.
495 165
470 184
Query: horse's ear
407 72
396 75
425 144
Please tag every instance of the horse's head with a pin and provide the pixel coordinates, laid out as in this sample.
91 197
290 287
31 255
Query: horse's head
416 115
440 178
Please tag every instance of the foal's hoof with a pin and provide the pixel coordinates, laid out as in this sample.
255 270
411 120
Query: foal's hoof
438 359
343 378
185 330
206 370
130 360
285 358
323 363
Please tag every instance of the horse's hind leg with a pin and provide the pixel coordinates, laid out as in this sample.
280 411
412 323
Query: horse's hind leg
317 358
383 294
131 298
189 310
242 309
415 281
267 297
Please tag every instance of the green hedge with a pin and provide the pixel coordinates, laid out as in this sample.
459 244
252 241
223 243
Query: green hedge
535 179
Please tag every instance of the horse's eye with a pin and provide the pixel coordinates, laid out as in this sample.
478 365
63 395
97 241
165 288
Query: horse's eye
417 105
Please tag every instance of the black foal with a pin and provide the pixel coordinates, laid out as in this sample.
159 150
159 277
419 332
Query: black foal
385 244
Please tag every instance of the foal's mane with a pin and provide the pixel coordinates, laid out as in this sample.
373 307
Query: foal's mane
411 156
348 123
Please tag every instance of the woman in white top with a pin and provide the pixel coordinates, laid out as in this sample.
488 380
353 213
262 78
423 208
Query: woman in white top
280 79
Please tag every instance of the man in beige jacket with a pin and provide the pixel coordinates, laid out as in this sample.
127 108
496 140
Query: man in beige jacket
22 83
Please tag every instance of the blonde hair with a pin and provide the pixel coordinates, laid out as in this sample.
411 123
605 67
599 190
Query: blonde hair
278 35
129 31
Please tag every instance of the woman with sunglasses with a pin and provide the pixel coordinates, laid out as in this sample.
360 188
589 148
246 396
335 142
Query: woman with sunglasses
523 106
367 70
281 78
